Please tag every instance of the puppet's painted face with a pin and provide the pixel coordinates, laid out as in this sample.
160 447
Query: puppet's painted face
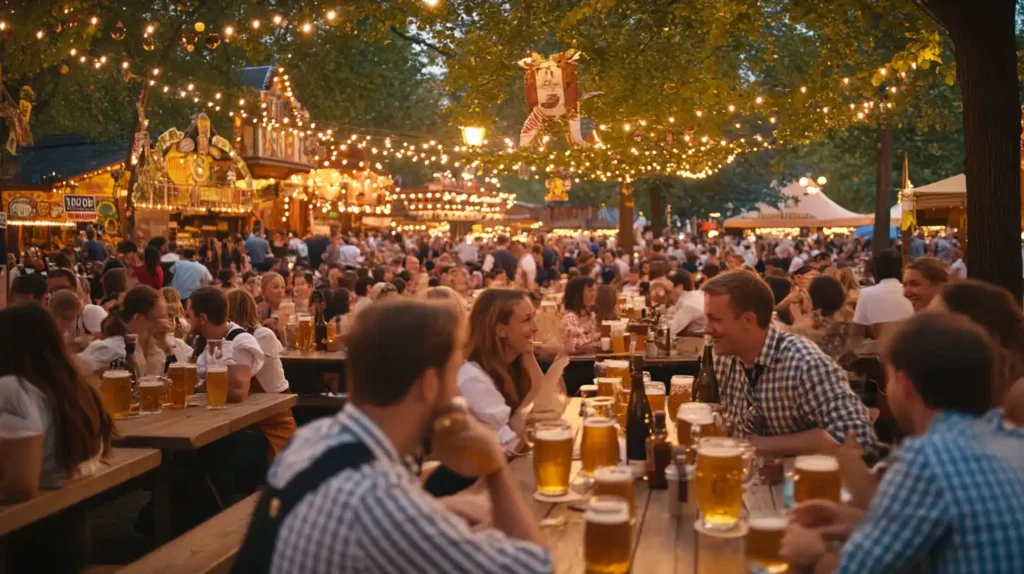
550 89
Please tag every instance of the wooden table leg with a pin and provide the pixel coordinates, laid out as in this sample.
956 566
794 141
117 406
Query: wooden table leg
162 500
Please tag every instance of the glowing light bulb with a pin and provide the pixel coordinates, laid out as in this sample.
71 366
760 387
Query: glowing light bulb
229 31
307 28
255 24
331 15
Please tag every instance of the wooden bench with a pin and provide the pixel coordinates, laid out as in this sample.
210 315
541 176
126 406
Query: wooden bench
209 548
122 465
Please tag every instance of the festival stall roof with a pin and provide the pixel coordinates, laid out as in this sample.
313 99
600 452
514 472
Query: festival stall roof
947 193
800 209
59 157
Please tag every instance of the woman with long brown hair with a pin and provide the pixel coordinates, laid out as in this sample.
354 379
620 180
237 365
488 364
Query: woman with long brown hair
501 379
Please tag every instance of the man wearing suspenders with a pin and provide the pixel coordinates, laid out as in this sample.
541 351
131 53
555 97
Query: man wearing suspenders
342 496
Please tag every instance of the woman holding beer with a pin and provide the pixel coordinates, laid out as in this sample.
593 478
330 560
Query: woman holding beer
52 427
581 333
501 380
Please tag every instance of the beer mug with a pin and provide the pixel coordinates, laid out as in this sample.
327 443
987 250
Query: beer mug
217 386
606 386
655 395
151 390
116 393
587 391
616 481
600 444
688 417
191 379
816 476
680 390
177 387
599 407
607 535
764 542
724 466
552 456
620 370
304 337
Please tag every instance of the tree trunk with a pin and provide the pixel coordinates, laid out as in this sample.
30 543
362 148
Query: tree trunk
626 218
883 190
986 68
657 209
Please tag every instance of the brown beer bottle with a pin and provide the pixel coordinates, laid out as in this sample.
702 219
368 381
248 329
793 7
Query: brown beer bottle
639 419
659 454
320 326
705 387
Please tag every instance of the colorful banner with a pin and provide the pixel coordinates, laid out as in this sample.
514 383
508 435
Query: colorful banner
80 208
35 208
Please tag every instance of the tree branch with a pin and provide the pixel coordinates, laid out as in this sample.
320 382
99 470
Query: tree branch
420 42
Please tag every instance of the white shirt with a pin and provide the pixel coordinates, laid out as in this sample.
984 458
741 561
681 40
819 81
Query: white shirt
169 257
689 315
361 303
349 255
528 267
882 303
271 376
958 270
796 264
90 320
485 402
467 252
101 352
24 413
489 262
243 350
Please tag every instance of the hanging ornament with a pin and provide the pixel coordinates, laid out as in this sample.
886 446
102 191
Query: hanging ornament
200 26
189 39
58 28
148 43
213 40
118 32
552 92
63 68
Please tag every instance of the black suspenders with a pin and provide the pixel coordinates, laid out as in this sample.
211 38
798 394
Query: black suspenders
275 505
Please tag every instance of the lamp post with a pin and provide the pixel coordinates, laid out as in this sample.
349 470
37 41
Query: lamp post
473 136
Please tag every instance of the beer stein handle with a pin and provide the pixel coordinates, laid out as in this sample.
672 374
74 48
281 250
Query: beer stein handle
751 466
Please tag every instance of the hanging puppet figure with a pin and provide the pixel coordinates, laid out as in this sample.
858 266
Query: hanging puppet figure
552 92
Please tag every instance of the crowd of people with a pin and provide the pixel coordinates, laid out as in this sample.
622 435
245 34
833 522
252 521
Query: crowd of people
428 319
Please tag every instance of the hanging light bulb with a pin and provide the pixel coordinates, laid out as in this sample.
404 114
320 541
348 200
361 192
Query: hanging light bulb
148 44
200 26
255 24
213 40
118 32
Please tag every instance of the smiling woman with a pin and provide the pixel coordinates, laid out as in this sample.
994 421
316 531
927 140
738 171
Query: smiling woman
923 278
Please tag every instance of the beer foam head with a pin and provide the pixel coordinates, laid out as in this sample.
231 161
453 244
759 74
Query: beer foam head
682 380
588 389
116 374
600 380
217 369
617 364
817 463
598 422
607 509
551 434
716 449
149 384
774 522
613 474
177 365
655 388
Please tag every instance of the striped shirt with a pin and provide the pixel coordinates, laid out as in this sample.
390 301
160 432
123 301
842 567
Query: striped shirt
377 518
952 502
798 388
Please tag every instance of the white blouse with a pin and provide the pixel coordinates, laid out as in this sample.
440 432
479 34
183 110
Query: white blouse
101 352
485 402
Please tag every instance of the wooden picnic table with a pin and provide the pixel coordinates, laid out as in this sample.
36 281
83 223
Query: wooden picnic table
190 429
293 356
661 542
669 360
122 465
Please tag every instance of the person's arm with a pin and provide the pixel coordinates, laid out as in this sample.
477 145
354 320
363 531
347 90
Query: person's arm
239 379
246 360
826 396
511 514
811 441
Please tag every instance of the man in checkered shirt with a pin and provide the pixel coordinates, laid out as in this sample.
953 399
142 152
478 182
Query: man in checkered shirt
952 500
778 389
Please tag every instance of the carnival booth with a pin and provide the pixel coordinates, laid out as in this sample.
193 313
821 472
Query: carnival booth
801 207
940 204
451 205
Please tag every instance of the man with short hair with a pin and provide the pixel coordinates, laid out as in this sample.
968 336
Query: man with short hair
29 288
779 388
362 292
883 302
501 259
359 507
258 248
526 268
951 499
189 274
689 317
94 249
91 318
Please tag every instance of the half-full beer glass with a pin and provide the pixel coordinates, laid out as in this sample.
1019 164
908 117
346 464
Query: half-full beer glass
552 456
688 417
607 538
616 481
600 445
816 476
151 390
116 393
177 386
217 386
764 540
723 465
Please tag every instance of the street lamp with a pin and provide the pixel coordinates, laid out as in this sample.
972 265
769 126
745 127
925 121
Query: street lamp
473 136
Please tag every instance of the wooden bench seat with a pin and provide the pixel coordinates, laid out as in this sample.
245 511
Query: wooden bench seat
209 548
122 465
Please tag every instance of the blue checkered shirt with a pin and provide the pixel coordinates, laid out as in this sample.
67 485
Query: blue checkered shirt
800 388
377 518
952 502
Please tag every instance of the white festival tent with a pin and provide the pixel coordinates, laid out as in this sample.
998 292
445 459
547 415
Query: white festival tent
800 209
949 192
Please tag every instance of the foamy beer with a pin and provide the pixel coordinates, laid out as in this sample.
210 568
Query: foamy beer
689 415
116 393
151 390
816 476
191 379
719 481
600 406
177 387
680 390
616 481
552 456
619 370
304 333
606 386
600 445
764 540
608 537
217 386
655 395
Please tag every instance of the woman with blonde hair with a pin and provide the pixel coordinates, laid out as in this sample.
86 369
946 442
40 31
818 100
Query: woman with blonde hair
852 287
442 293
273 291
176 313
501 379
